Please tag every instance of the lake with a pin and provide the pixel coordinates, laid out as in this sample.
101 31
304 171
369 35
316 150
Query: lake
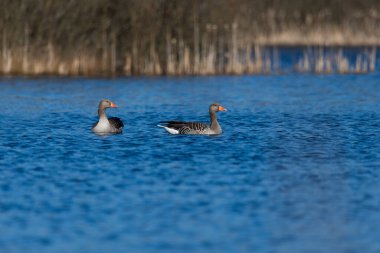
297 168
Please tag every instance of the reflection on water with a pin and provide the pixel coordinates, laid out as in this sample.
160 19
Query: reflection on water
295 170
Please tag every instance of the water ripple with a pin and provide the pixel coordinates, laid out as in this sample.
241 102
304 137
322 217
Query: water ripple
299 156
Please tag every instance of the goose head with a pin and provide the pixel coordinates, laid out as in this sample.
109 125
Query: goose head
216 107
106 103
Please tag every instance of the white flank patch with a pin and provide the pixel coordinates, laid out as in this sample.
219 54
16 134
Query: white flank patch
103 126
170 130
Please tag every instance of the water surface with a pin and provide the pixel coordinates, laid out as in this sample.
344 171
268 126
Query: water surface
296 170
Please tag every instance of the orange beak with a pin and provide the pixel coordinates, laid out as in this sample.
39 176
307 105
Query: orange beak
221 108
113 105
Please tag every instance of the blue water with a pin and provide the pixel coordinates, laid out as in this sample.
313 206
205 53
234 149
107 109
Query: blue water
297 168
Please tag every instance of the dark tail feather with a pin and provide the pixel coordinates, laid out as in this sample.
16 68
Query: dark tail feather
116 122
171 122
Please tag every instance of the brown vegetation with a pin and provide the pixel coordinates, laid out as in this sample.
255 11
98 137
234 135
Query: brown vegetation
176 37
332 60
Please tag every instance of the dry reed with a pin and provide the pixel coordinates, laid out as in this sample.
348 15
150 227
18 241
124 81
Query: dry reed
234 55
324 60
184 37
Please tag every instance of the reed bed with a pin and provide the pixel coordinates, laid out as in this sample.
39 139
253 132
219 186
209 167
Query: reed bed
213 55
213 59
173 37
324 60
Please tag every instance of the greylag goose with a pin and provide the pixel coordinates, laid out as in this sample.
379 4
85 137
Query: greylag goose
107 125
180 127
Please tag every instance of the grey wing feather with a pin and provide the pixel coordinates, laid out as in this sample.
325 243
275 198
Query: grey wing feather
187 127
197 126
